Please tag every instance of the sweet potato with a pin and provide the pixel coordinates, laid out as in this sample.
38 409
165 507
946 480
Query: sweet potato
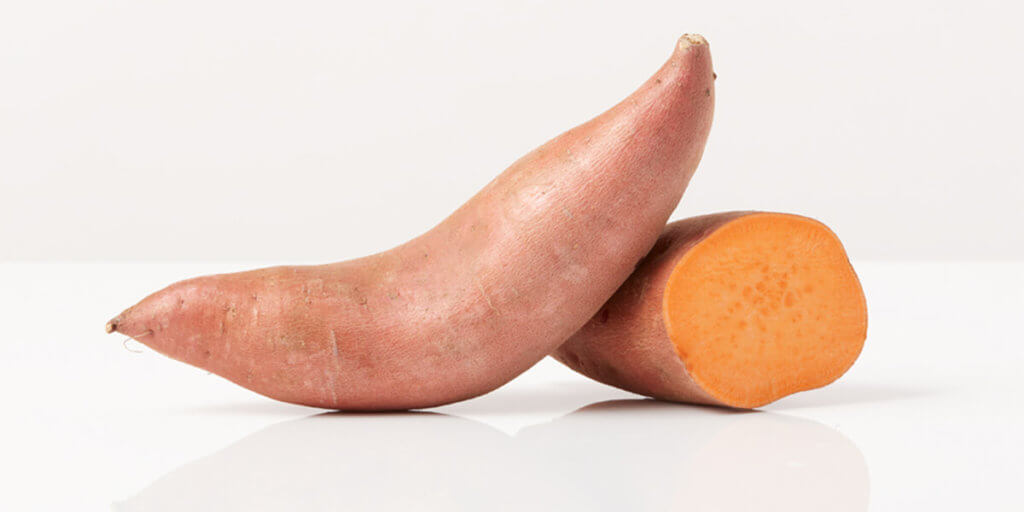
736 309
475 301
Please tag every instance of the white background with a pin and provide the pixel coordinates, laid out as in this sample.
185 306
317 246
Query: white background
135 136
217 130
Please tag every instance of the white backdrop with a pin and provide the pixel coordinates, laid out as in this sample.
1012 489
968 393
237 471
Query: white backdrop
216 130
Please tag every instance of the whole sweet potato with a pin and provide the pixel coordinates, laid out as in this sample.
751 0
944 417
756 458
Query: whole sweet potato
476 300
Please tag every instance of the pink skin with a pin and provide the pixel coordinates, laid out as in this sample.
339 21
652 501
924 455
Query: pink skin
475 301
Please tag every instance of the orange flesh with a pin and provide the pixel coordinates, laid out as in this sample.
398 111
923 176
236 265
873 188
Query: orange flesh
766 306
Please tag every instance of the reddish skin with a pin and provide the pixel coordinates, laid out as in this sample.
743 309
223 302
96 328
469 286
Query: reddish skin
477 300
627 344
630 348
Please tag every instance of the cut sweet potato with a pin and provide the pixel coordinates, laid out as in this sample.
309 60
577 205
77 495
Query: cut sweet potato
736 309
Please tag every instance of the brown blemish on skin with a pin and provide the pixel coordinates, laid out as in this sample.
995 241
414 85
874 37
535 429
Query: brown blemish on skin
360 298
707 92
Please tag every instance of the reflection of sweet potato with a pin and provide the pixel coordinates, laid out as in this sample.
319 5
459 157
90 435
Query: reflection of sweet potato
650 455
620 455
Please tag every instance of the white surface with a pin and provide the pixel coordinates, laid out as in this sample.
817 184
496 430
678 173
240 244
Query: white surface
929 418
218 130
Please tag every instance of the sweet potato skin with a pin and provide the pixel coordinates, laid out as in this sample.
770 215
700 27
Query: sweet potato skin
475 301
628 345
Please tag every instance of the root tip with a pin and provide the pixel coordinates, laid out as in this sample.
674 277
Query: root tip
688 40
111 326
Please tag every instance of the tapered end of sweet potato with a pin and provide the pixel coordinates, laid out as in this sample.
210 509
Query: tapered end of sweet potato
688 40
111 326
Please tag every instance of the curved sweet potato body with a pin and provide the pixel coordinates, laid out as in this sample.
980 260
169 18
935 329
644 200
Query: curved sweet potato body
475 301
736 309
